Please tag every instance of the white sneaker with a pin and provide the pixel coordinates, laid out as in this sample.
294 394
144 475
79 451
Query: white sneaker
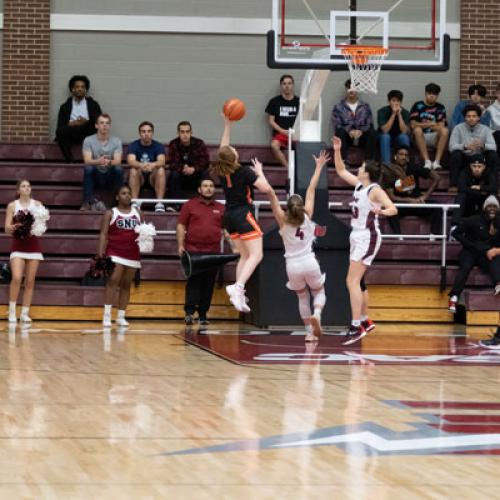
106 321
237 298
316 324
25 318
12 318
159 207
428 164
122 322
436 165
497 289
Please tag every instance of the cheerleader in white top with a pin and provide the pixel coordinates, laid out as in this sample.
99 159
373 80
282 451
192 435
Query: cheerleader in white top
369 200
26 251
298 232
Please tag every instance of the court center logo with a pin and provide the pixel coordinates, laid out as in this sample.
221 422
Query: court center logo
446 429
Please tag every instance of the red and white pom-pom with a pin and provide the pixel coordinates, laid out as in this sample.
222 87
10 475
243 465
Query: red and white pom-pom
145 240
40 217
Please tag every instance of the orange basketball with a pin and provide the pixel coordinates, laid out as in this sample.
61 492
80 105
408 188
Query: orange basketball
234 109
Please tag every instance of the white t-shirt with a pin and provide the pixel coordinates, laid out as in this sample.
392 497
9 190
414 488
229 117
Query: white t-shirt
79 109
353 106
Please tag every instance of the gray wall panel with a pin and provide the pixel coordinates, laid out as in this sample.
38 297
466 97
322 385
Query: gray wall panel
213 8
170 77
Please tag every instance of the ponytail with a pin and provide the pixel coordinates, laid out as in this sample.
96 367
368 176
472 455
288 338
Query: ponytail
296 211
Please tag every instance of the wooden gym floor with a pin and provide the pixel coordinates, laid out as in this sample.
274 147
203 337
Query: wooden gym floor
233 412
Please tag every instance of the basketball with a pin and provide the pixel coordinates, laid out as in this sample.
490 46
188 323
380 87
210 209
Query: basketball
234 109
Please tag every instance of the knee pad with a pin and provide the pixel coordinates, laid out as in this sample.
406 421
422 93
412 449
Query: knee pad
304 304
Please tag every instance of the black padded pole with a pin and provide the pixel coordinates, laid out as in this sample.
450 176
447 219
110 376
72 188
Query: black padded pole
353 31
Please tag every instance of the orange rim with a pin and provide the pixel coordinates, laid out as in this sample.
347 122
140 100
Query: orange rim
360 54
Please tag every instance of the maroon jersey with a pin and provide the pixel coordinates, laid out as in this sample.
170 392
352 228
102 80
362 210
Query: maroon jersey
28 247
122 247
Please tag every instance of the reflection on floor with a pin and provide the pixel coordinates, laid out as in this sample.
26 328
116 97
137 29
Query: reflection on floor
411 345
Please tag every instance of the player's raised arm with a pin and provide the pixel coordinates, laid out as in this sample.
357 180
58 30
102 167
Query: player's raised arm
321 161
226 133
381 198
278 212
340 165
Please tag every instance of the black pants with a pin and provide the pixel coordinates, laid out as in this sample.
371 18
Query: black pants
469 205
367 142
199 291
496 136
433 215
182 186
458 162
467 260
67 136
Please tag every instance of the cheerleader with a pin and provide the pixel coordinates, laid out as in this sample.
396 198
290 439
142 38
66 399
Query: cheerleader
298 232
238 182
26 252
369 200
117 240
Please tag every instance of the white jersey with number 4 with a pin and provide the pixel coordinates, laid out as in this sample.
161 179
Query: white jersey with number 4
298 240
362 215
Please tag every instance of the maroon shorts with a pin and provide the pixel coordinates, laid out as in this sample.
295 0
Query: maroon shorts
282 139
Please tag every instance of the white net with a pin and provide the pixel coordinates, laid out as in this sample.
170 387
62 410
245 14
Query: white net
364 67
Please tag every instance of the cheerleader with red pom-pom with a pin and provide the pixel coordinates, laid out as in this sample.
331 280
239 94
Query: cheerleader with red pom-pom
26 251
118 241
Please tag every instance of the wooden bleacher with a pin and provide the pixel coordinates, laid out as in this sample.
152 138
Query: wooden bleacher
404 280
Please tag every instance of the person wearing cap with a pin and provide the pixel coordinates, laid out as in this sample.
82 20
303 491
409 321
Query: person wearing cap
475 183
480 238
469 138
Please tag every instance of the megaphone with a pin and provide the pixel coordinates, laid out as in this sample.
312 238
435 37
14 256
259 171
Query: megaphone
193 264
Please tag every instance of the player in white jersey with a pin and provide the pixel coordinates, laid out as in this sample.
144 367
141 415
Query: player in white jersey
298 232
369 200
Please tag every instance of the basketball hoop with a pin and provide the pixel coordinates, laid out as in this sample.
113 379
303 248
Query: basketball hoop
364 64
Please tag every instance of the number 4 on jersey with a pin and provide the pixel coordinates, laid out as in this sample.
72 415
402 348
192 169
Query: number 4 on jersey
299 234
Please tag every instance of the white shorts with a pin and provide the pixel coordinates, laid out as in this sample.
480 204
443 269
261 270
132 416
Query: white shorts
364 246
304 271
430 139
26 255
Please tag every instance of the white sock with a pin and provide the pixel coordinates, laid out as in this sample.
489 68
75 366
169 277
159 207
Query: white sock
363 317
240 285
107 310
25 310
304 304
356 322
12 308
121 313
308 328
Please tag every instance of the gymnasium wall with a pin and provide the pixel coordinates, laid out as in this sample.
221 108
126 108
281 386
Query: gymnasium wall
174 74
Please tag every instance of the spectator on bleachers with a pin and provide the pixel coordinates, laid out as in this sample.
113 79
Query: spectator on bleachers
475 183
428 123
146 159
401 181
494 116
479 235
352 122
282 111
77 116
102 155
188 163
477 94
394 125
469 138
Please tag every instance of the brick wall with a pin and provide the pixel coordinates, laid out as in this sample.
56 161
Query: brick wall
480 44
25 70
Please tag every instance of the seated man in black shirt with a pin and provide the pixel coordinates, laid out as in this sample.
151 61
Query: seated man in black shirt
282 111
400 179
77 116
480 238
475 184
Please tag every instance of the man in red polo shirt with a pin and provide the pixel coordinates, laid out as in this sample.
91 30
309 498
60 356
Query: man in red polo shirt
199 230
